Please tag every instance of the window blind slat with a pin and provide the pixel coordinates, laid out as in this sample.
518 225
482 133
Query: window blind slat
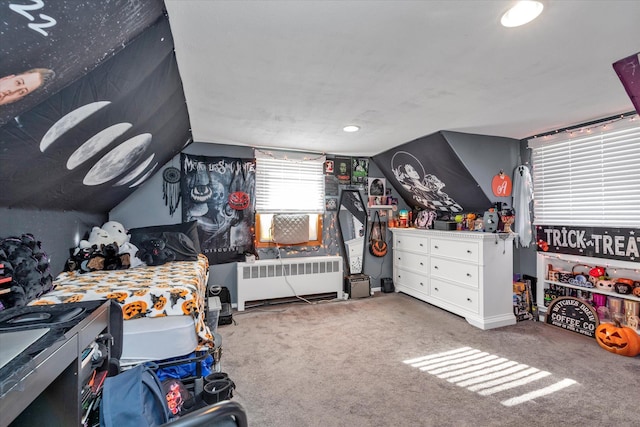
289 185
588 179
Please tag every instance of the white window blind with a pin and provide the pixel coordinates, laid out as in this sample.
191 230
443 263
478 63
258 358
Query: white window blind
289 182
589 179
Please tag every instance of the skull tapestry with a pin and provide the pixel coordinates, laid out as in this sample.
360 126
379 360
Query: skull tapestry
219 192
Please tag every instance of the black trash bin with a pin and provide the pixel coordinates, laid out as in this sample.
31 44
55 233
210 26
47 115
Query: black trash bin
386 283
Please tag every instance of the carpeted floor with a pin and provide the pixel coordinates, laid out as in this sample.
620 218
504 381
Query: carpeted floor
392 360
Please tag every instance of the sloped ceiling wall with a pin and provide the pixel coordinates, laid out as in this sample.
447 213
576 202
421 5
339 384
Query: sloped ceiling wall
114 112
449 172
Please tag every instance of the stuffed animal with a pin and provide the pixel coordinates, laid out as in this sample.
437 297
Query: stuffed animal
127 250
112 259
97 238
154 252
117 232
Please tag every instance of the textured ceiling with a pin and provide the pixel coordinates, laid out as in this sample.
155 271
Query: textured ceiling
291 74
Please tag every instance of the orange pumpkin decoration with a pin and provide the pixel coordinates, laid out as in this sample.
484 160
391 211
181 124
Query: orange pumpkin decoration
43 302
158 301
618 339
118 296
134 310
188 307
73 298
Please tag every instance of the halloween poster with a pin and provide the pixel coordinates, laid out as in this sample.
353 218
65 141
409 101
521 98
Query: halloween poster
219 193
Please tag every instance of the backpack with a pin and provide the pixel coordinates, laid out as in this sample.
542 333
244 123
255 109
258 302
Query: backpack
134 398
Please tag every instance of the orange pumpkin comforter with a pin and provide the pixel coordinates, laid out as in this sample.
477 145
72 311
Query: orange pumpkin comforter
174 288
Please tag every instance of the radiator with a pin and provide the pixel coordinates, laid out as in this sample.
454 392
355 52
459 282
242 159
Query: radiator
265 279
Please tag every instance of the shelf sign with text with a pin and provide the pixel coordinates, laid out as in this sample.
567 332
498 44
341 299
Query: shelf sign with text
573 315
600 242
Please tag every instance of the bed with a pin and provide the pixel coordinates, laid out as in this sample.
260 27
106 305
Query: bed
163 306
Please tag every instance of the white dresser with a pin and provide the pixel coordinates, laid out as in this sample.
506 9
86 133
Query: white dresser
467 273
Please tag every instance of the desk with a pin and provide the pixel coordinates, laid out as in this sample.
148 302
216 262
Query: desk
47 389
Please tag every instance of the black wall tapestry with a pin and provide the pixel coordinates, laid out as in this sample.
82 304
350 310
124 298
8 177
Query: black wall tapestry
219 192
88 146
64 39
428 174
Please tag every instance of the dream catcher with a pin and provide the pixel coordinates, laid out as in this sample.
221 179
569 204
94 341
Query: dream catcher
171 188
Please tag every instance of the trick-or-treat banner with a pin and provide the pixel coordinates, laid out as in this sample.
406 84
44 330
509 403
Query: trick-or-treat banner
428 174
91 144
598 242
219 193
48 44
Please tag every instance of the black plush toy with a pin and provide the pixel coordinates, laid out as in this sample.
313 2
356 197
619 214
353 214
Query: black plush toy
154 252
112 260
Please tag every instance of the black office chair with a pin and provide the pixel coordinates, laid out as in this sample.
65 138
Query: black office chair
222 414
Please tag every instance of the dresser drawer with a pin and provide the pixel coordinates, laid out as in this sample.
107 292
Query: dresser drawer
412 261
411 280
466 251
466 299
410 243
455 271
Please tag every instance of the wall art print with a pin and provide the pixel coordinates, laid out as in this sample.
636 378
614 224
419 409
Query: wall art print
219 193
359 170
342 170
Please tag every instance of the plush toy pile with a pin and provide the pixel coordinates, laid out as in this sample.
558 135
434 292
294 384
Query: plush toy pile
107 248
28 266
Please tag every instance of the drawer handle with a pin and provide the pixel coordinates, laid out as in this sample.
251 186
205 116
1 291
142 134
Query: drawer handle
468 251
421 264
399 258
435 267
421 245
468 274
469 299
436 246
436 289
421 284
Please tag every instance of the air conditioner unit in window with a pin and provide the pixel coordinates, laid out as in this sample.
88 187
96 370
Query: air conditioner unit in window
290 229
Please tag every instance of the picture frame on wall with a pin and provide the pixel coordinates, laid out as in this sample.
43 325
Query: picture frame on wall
331 204
359 170
328 167
376 186
342 169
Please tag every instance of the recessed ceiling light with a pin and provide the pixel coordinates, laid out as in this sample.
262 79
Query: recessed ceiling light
521 13
351 128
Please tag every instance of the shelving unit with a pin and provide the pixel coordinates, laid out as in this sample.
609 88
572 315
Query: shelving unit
614 268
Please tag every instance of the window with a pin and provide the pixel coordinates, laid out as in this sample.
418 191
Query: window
290 183
590 177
